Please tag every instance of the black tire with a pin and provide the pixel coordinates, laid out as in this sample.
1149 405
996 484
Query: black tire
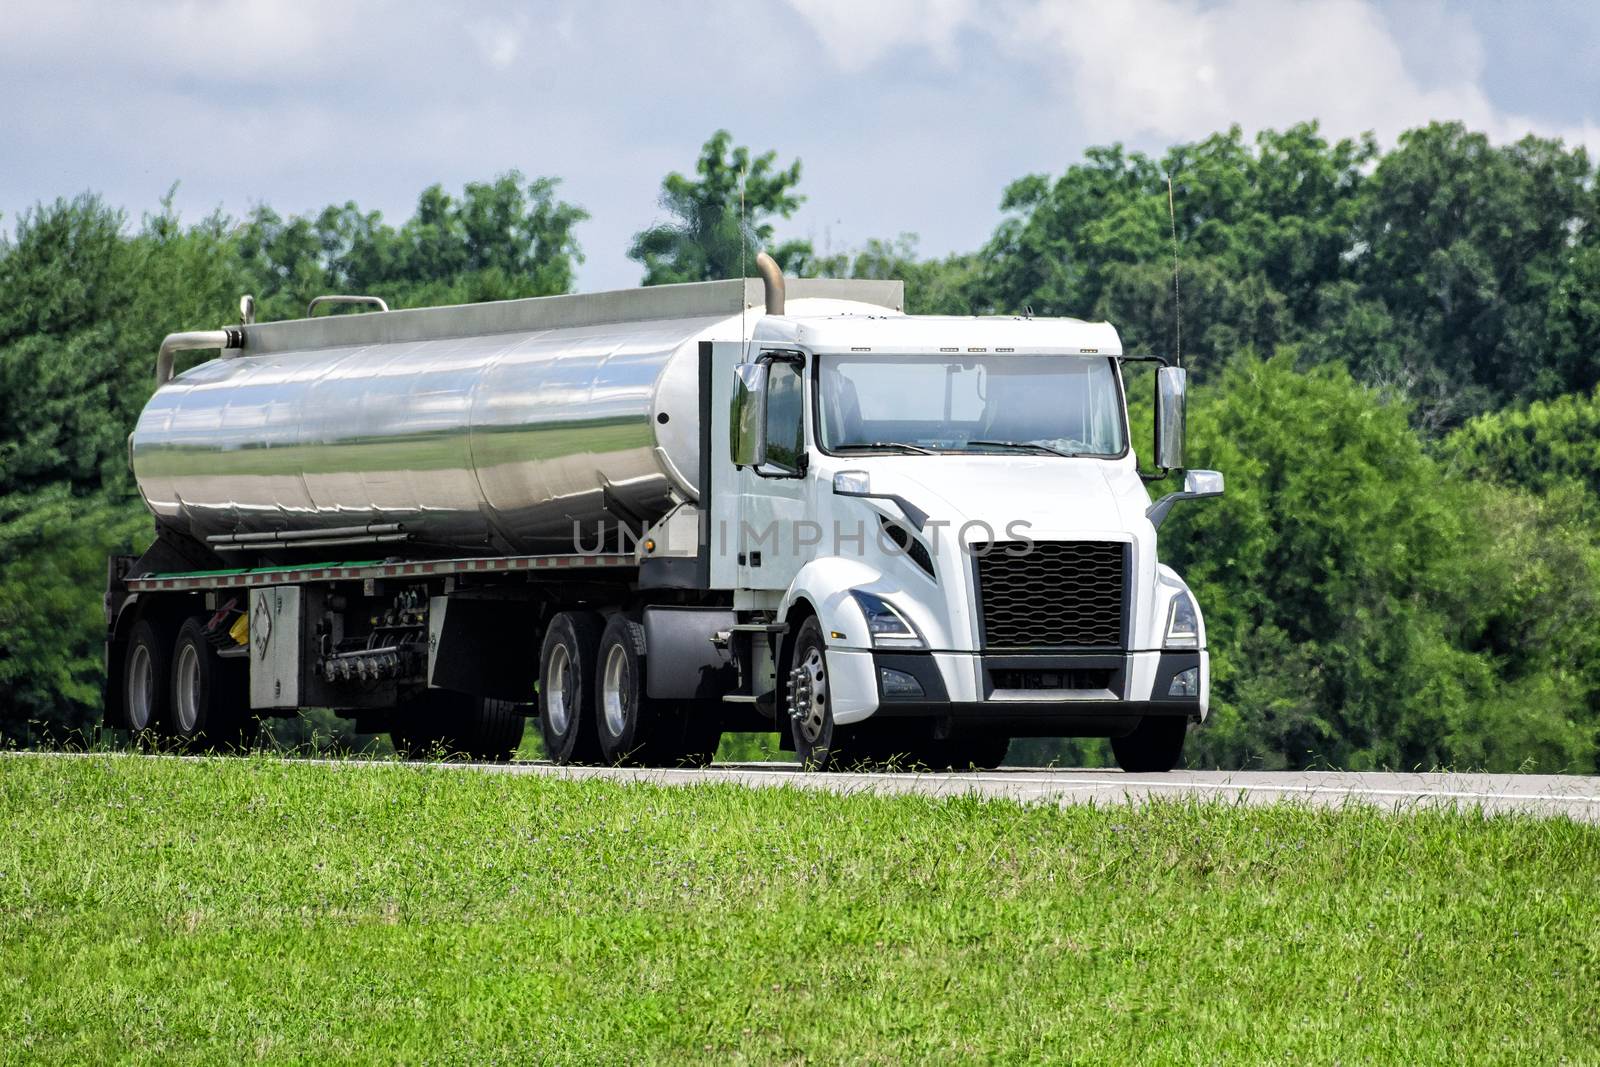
209 709
818 743
146 667
1155 745
965 752
633 729
442 722
567 703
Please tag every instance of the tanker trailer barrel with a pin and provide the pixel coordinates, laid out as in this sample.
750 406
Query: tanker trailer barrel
515 427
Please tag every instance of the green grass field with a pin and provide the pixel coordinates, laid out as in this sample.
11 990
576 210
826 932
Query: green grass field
268 909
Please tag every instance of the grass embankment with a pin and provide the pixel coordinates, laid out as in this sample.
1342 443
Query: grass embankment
261 908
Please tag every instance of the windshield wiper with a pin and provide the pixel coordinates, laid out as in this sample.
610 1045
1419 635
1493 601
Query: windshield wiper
885 446
1031 446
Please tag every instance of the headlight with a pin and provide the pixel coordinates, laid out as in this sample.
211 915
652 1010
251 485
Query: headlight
889 628
1183 623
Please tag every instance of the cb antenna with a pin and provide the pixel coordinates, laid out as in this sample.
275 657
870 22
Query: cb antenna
743 271
1177 305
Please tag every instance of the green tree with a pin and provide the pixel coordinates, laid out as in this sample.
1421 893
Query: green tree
1361 605
53 548
1262 229
707 237
1468 245
1544 446
933 286
500 240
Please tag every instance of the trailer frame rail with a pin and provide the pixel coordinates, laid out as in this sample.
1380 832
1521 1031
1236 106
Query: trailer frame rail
251 577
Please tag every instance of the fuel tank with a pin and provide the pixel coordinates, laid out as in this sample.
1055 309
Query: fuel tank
505 427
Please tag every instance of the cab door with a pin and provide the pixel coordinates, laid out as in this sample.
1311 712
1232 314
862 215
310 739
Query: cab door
774 530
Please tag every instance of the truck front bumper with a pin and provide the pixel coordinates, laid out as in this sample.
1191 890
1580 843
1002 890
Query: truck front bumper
1061 695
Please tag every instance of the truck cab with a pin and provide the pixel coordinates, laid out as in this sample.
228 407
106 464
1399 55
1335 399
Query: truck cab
947 520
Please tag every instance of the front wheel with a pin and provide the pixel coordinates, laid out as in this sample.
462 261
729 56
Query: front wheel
816 738
1155 745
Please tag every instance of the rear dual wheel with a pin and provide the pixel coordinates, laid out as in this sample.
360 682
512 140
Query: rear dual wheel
178 688
594 704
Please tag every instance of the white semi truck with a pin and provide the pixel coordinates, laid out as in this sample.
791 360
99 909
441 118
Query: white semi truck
649 517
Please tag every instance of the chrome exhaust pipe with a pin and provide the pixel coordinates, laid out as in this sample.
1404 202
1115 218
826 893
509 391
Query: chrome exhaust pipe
772 279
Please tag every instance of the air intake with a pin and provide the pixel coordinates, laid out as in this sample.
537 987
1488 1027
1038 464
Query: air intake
1061 595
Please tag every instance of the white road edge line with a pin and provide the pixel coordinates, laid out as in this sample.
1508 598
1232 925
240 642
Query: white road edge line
771 777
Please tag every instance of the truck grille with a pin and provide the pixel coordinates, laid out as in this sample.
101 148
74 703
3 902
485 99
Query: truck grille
1063 594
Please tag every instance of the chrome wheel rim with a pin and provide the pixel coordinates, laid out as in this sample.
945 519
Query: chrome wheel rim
141 688
616 696
186 708
808 695
559 697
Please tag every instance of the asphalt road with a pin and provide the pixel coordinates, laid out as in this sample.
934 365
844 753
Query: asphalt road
1534 794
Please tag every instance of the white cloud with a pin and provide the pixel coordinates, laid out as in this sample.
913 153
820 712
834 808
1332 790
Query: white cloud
1181 69
909 116
857 33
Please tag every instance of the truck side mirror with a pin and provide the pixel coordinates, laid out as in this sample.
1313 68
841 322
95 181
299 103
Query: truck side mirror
1197 485
747 424
1171 385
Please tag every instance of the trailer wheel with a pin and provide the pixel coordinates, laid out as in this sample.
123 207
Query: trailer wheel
441 721
146 692
209 708
1155 745
816 738
567 665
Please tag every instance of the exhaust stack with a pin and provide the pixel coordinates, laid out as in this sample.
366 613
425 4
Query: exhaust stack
772 278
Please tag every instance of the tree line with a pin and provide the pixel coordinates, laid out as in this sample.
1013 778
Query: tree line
1394 355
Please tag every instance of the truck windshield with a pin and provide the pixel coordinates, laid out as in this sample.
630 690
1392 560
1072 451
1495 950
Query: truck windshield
1067 405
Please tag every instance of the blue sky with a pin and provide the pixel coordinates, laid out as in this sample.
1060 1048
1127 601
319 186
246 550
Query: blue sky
910 115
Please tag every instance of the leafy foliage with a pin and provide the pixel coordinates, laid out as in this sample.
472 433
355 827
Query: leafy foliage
500 240
1543 446
1452 272
708 237
1365 610
933 286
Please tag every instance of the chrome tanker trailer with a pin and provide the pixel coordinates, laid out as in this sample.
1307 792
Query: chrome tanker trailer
648 517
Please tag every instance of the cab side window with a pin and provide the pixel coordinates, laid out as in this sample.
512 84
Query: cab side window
786 441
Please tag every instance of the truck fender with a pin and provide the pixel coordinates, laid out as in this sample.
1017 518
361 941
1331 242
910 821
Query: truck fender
822 588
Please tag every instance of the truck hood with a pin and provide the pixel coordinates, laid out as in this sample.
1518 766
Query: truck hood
1052 496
